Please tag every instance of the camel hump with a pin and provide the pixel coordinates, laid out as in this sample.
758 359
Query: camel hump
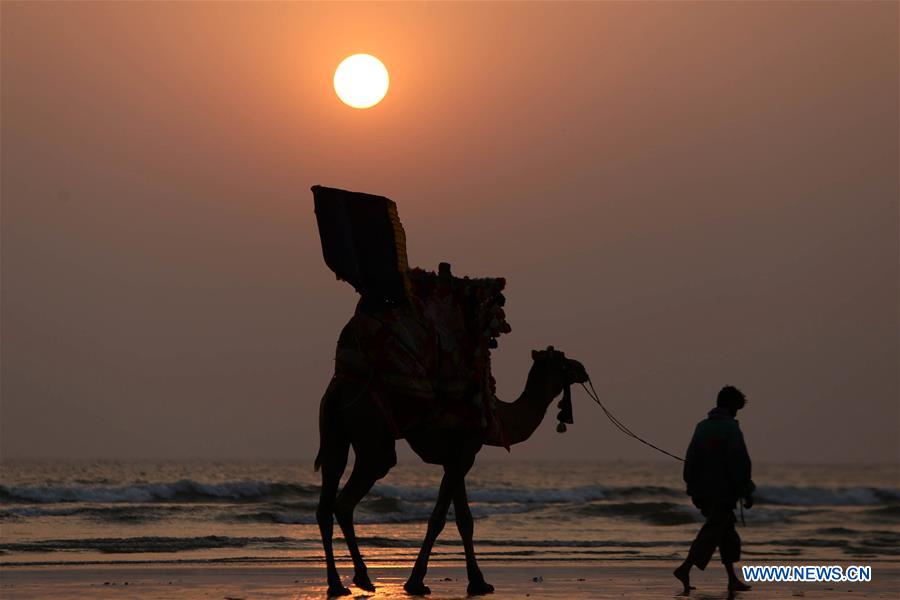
428 360
392 345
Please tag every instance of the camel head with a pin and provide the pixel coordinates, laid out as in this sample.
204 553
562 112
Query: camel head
555 374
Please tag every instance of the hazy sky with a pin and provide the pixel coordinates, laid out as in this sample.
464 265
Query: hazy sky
680 195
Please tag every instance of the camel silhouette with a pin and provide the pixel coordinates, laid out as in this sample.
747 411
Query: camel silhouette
351 414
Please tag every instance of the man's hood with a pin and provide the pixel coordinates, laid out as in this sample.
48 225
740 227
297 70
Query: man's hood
719 412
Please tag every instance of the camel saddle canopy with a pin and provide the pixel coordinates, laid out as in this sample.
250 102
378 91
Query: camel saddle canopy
363 242
419 340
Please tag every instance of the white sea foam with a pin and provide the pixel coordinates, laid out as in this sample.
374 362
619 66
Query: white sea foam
817 496
187 490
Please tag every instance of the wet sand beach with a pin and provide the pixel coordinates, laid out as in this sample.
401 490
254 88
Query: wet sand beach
512 581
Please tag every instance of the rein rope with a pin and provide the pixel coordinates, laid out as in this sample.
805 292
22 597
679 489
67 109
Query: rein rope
592 393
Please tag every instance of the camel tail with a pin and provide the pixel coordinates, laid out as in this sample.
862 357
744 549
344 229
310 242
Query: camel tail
317 464
325 408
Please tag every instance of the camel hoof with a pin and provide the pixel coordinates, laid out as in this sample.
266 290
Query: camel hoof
479 588
363 582
416 588
338 590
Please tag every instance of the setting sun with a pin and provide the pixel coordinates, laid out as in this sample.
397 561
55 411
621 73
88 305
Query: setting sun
361 81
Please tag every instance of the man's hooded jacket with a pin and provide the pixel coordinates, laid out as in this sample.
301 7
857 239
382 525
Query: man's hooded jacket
717 466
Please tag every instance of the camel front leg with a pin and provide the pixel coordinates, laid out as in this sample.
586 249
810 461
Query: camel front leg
416 583
466 525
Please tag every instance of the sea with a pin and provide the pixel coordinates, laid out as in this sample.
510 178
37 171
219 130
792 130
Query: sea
234 512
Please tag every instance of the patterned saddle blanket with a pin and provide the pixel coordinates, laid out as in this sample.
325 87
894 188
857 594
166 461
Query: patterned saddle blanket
427 361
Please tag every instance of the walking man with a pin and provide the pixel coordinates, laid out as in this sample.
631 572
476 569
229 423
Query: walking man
717 473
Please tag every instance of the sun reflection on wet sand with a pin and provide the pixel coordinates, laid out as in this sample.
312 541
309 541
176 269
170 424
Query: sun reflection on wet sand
552 581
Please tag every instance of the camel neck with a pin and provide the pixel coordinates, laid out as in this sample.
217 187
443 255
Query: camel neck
521 418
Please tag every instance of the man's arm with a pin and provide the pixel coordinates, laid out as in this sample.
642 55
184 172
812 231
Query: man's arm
741 468
689 471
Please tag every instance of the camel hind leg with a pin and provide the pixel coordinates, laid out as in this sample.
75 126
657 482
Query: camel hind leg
374 458
332 468
334 448
466 525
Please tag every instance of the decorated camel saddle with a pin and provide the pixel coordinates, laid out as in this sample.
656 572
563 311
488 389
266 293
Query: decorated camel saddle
419 340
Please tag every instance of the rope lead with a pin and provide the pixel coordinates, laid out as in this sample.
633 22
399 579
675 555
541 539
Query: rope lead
596 398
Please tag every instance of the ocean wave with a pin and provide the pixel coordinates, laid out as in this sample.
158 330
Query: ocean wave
890 513
779 514
117 513
376 513
389 499
656 513
818 496
148 544
892 537
882 543
646 491
135 545
520 495
389 542
185 490
289 518
772 495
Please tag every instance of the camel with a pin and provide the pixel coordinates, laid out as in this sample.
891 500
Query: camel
350 416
